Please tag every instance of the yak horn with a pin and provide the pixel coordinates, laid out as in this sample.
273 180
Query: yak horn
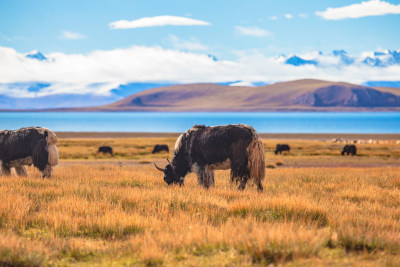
158 168
168 161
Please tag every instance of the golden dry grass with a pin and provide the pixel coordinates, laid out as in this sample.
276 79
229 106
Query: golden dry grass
123 148
303 152
111 214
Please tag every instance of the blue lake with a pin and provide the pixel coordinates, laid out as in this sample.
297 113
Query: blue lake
263 122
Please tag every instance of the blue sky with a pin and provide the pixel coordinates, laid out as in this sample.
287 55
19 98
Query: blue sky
29 25
240 34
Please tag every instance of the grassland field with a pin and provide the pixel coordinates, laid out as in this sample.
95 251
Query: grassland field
318 208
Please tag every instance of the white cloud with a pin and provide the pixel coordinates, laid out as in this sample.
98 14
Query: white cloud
242 83
252 31
101 71
71 35
181 44
364 9
303 16
157 21
273 18
288 16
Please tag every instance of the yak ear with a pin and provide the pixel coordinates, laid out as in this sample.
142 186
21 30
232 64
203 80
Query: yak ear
40 155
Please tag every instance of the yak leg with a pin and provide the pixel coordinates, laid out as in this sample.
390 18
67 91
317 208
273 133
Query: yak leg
5 169
205 176
200 175
212 181
46 172
20 170
242 177
240 171
243 182
208 179
260 188
233 177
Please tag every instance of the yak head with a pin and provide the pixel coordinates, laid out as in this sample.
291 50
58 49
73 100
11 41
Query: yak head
170 177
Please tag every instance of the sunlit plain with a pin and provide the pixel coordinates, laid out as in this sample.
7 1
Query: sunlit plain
98 210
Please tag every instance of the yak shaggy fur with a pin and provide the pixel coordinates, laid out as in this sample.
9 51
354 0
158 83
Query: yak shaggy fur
205 149
27 146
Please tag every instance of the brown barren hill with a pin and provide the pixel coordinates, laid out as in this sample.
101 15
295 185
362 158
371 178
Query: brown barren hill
299 95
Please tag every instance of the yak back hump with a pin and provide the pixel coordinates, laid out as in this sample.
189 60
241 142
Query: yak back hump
19 144
217 144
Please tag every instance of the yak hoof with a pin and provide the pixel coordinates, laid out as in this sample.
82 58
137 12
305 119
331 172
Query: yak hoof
260 188
20 170
46 172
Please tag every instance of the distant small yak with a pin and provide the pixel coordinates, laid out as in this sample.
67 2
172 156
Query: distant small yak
281 147
205 149
27 146
105 150
349 149
160 148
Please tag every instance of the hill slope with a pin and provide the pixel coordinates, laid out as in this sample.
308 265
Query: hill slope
295 95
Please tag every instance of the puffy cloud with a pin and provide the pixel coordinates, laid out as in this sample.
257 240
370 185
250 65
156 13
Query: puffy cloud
71 35
157 21
252 31
101 71
364 9
288 16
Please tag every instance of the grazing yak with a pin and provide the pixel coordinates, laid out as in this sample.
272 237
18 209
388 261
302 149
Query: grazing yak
105 150
349 149
205 149
160 148
27 146
281 147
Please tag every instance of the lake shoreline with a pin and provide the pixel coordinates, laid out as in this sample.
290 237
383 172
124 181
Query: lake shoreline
153 122
277 136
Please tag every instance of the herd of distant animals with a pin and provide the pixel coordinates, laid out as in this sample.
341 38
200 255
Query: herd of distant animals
200 150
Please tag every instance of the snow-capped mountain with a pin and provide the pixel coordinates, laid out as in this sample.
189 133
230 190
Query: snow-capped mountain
36 55
383 59
44 92
344 57
298 61
375 59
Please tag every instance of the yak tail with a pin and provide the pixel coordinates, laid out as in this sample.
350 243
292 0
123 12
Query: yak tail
256 162
53 151
53 155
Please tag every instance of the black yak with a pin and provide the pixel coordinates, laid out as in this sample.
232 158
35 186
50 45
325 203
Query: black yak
205 149
349 149
27 146
282 147
160 148
105 150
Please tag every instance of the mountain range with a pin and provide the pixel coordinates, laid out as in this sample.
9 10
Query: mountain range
299 95
376 59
